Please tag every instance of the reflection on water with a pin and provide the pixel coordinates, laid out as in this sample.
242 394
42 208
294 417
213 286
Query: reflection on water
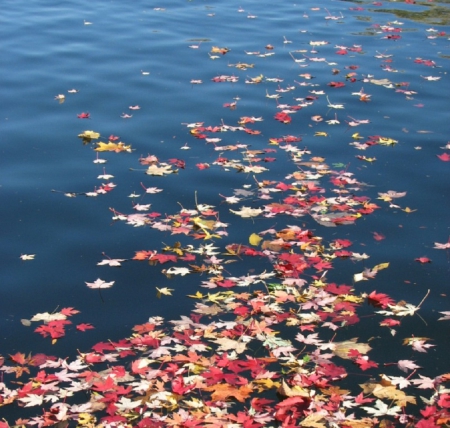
107 57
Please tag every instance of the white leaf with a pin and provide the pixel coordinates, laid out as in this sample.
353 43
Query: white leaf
99 283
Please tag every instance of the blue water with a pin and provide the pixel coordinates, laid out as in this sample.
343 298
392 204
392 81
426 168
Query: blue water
102 49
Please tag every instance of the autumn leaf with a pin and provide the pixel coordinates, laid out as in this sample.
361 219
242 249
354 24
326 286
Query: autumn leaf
163 291
99 283
255 239
112 147
381 409
177 271
111 262
342 349
161 169
84 326
47 317
223 391
89 135
247 212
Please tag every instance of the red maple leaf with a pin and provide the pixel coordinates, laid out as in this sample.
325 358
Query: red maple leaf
343 253
84 115
69 311
444 157
444 401
380 300
378 236
107 384
226 283
341 243
364 363
18 358
359 399
163 258
283 117
84 327
179 387
338 289
423 260
54 329
336 84
202 166
142 255
178 163
389 322
428 411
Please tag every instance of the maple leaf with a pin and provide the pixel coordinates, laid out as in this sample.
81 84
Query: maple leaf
342 349
223 391
111 262
163 291
381 409
84 326
112 147
424 382
47 317
89 135
177 271
444 157
18 358
247 212
405 365
420 345
84 115
439 246
378 236
423 260
228 344
27 256
162 169
99 283
379 299
32 400
445 317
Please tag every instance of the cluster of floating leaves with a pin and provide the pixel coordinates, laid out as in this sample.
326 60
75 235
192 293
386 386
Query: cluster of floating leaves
263 349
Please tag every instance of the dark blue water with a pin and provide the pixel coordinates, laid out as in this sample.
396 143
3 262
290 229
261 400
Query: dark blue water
120 54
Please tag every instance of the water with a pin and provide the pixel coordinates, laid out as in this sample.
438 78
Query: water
104 50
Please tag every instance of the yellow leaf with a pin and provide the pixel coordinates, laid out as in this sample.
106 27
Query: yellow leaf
85 419
89 135
197 295
381 266
387 141
408 210
254 239
203 224
163 291
342 349
264 384
320 134
351 298
112 147
356 136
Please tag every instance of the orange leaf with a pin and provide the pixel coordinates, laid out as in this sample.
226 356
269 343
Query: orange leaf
222 391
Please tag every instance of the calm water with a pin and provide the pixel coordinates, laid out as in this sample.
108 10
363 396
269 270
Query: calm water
102 49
